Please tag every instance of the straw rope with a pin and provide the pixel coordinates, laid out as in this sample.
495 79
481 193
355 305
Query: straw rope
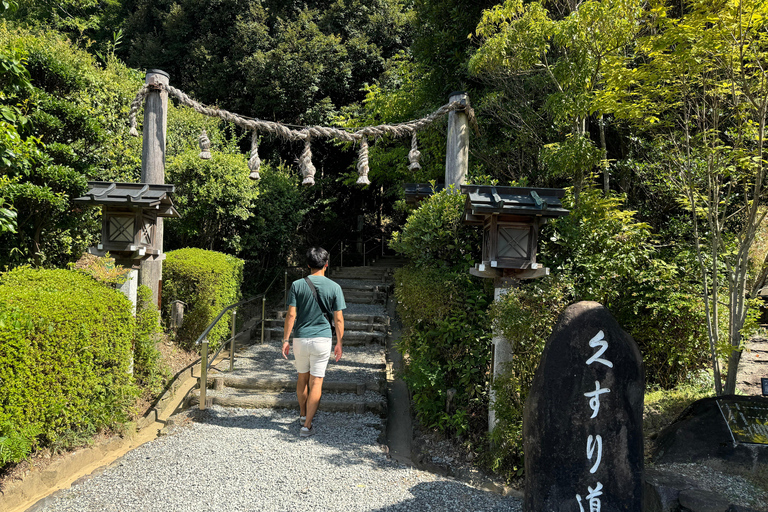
360 135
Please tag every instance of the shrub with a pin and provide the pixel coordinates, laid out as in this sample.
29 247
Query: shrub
447 352
65 343
434 234
525 316
611 260
447 334
148 368
207 281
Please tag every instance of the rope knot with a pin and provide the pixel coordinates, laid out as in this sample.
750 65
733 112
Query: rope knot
362 163
305 164
414 154
254 163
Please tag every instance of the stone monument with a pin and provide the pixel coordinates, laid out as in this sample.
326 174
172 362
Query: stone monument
583 420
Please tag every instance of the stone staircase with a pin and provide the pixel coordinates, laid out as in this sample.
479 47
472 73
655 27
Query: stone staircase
359 329
262 378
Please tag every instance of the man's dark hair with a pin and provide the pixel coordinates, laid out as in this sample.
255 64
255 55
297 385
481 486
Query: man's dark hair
317 257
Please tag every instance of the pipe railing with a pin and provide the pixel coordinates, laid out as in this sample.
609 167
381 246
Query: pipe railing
205 361
380 239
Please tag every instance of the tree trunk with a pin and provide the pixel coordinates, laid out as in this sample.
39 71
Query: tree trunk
606 178
733 368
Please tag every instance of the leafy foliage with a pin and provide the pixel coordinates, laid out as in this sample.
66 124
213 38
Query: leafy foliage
443 309
62 125
434 233
101 268
610 259
148 368
216 197
447 355
525 316
65 344
697 88
275 60
207 281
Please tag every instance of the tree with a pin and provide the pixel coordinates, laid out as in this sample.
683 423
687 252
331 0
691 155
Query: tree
62 123
699 87
571 52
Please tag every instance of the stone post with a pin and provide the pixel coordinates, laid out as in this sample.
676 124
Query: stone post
130 286
457 146
502 348
153 171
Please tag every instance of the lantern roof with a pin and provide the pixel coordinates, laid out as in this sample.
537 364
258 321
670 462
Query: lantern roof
484 200
148 196
415 192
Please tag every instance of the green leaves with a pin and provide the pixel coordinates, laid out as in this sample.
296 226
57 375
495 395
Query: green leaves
434 234
65 344
207 281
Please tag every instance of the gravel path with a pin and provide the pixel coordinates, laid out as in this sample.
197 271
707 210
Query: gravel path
254 460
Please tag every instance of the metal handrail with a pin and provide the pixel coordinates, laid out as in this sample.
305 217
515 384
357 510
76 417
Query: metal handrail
204 364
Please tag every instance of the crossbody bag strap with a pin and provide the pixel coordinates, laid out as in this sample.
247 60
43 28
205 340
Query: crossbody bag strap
326 313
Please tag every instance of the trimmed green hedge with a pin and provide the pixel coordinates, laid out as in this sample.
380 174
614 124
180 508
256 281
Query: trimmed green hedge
207 281
65 351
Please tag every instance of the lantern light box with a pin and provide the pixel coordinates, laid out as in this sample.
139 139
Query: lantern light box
129 216
511 218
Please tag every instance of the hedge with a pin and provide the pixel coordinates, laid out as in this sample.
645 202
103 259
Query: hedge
65 352
207 281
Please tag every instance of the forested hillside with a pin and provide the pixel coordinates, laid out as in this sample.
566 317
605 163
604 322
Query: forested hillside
651 114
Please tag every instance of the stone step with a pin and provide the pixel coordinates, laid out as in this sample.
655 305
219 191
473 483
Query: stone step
353 338
371 273
349 325
379 319
363 299
350 296
348 403
363 287
219 382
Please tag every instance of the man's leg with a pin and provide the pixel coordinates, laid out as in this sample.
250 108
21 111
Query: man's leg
313 398
301 392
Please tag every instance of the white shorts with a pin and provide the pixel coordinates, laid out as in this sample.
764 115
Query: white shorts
312 355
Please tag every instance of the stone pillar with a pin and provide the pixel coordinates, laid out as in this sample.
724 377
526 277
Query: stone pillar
130 287
583 419
153 171
457 146
502 350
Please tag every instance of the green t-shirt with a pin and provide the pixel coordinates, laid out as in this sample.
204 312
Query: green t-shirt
310 321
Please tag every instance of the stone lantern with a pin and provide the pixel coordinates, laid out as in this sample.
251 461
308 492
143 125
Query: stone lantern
129 221
510 218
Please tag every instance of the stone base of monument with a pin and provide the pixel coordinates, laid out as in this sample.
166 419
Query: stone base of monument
714 457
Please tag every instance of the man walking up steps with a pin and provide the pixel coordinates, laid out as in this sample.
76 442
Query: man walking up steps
314 304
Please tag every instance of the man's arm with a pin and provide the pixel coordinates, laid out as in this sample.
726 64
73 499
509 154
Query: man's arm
290 319
338 319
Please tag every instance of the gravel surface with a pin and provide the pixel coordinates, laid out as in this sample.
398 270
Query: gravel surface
357 364
368 396
254 460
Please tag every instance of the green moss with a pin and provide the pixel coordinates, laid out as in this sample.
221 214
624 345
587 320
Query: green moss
207 281
65 350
